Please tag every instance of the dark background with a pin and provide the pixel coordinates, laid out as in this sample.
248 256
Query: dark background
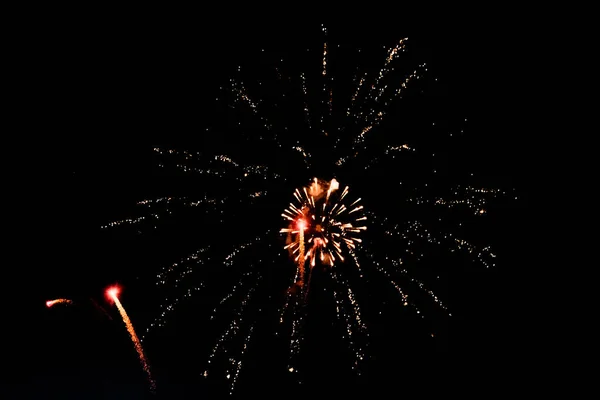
106 95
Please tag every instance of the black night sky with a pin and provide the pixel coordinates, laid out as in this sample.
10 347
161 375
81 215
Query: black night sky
107 96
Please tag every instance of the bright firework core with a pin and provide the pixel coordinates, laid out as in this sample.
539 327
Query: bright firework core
113 292
324 222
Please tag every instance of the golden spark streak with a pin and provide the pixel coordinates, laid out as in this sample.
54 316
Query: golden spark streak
355 202
356 209
341 210
344 193
135 340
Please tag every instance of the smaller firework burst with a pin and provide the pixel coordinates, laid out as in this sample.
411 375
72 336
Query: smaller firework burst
321 223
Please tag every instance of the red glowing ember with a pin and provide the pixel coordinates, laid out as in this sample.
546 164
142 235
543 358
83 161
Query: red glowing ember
113 291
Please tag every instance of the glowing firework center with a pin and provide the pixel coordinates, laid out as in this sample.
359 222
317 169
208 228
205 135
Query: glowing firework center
321 224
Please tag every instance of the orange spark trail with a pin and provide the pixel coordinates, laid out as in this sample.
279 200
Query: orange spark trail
301 261
50 303
138 345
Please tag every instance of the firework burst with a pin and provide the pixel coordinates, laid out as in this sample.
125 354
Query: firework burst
325 224
322 223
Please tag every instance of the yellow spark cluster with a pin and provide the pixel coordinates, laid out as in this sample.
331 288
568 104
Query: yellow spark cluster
233 328
365 130
168 306
325 59
241 92
353 323
306 109
413 75
355 308
237 322
355 96
393 150
261 193
475 199
288 297
412 232
231 256
374 117
202 171
166 202
297 324
206 200
186 154
394 283
189 261
420 285
398 148
416 230
398 288
242 96
392 54
244 171
226 159
305 155
324 53
128 221
238 364
231 293
154 201
251 170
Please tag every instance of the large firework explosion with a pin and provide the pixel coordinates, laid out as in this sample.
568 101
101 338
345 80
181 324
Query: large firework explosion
320 206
